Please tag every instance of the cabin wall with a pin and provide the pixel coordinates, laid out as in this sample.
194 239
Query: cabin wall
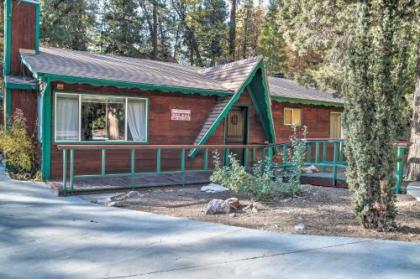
162 131
315 118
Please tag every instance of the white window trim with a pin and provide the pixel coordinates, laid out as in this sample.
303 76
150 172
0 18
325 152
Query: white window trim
56 94
284 117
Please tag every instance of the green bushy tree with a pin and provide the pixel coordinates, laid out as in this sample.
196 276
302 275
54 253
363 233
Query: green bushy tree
373 92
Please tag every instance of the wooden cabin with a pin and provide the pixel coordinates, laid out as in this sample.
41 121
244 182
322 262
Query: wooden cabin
89 100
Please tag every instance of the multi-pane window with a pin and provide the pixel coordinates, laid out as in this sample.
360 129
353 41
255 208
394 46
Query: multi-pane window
335 125
292 116
82 117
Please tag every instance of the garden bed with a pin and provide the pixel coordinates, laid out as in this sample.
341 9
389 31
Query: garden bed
322 211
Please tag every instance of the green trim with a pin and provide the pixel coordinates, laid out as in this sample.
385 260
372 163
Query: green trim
37 25
306 102
123 84
7 36
46 131
271 132
269 104
8 105
55 93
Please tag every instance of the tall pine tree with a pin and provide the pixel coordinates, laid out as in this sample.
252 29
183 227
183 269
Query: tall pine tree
121 28
271 44
373 102
68 24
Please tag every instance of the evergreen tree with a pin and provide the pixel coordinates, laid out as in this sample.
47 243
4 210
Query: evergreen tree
68 24
214 30
121 28
373 101
271 44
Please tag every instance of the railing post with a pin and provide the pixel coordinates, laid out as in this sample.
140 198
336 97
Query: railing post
158 160
400 168
317 152
335 164
226 156
341 153
183 166
246 157
132 166
65 171
324 151
72 170
270 154
308 152
262 153
284 153
103 162
206 158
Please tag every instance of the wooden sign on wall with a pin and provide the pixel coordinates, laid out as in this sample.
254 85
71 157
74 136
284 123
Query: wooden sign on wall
181 114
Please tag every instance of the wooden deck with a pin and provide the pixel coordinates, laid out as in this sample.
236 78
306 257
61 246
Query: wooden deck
86 185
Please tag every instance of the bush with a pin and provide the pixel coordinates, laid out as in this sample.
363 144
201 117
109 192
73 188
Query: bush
290 183
262 181
232 176
18 148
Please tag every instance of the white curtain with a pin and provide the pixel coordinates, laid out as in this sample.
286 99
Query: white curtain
67 114
136 119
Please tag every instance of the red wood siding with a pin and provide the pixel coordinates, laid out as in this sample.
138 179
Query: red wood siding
23 32
162 130
316 118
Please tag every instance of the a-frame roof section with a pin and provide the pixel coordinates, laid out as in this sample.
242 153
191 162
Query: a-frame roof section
248 74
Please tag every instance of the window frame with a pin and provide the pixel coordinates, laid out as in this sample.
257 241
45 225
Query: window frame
93 142
291 109
341 124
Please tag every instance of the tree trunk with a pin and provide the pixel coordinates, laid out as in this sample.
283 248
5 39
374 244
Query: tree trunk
232 30
413 160
155 31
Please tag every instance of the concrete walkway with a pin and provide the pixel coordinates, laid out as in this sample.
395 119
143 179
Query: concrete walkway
43 236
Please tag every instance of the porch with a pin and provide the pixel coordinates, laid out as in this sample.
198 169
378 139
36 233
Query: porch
193 164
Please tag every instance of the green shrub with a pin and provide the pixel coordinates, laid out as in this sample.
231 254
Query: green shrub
290 182
17 146
232 176
261 182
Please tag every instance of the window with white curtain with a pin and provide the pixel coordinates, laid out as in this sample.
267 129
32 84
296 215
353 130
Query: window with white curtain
87 117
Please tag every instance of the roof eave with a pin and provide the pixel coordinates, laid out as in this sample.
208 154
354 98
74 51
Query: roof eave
306 101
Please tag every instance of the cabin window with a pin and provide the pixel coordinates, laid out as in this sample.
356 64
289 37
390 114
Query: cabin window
292 116
86 118
335 125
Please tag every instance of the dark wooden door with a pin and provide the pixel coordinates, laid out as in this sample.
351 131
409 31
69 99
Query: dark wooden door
236 129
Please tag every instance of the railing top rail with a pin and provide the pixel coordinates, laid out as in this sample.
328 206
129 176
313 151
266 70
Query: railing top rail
146 146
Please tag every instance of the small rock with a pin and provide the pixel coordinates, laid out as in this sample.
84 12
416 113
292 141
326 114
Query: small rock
115 204
233 215
217 206
311 169
299 227
234 203
133 195
251 208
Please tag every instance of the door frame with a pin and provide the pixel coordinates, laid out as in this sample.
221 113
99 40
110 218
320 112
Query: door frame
246 118
246 132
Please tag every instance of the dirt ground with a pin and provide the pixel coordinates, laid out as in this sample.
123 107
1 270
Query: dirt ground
322 211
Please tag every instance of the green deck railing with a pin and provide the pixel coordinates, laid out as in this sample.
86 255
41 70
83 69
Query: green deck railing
326 154
258 151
